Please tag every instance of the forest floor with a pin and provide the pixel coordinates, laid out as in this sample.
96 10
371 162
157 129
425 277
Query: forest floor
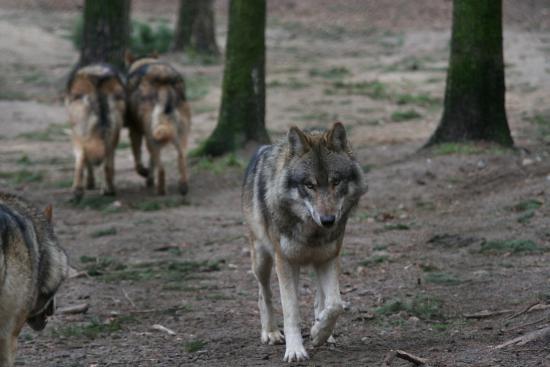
441 236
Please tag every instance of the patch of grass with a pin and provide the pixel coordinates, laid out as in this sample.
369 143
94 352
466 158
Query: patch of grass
101 203
417 99
527 205
194 345
397 227
51 133
24 160
63 184
150 205
422 306
406 115
331 73
542 122
111 231
373 89
442 278
123 145
291 83
22 177
440 326
94 328
375 260
457 148
110 269
319 116
220 165
510 246
12 95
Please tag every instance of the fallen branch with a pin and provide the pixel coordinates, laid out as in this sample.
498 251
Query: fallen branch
525 310
164 329
73 310
529 337
417 361
485 314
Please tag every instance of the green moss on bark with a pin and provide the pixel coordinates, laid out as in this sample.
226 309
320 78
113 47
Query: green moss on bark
475 92
242 112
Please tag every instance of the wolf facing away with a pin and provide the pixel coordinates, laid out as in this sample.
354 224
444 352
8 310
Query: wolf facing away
157 110
297 197
96 102
32 267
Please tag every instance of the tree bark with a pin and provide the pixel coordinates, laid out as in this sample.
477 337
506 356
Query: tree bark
474 107
242 112
196 27
106 32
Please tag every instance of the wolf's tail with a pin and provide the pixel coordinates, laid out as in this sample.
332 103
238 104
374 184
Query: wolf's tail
164 115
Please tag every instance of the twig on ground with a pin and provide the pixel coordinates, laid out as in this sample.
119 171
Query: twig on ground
417 361
128 297
485 314
524 339
525 325
75 309
159 327
525 310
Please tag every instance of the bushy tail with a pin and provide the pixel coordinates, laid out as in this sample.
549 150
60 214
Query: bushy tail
163 127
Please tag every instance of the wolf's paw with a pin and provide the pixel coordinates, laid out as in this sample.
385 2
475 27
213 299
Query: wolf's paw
183 187
142 171
295 353
108 192
90 185
150 181
322 329
78 193
272 337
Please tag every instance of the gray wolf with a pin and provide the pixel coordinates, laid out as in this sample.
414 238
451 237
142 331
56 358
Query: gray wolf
32 267
297 196
157 110
96 101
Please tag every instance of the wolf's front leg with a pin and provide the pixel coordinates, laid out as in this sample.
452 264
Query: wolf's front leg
7 350
288 275
78 187
325 319
109 169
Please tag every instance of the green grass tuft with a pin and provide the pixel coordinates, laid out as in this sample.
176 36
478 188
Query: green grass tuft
400 116
111 231
510 246
194 345
442 278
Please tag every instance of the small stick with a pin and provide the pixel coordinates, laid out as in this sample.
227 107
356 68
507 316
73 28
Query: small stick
75 309
417 361
485 313
128 298
524 325
159 327
525 310
529 337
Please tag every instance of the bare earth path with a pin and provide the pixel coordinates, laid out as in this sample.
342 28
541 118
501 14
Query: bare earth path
441 235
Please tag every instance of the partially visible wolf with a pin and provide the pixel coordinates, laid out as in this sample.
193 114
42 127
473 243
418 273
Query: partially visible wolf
32 267
158 110
96 101
297 197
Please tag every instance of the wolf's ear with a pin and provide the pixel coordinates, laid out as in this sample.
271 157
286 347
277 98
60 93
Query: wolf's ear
48 213
297 141
337 139
128 58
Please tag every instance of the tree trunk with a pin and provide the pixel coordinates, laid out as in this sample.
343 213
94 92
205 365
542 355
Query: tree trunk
106 30
196 28
475 93
242 112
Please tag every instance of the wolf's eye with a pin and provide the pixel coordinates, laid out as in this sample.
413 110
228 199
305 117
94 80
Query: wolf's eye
309 185
336 182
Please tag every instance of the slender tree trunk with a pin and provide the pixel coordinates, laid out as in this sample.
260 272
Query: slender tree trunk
196 28
187 13
242 112
475 93
106 30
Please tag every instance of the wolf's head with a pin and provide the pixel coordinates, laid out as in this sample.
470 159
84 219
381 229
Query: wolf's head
324 180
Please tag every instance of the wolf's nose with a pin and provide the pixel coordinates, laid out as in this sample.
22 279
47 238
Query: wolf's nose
327 220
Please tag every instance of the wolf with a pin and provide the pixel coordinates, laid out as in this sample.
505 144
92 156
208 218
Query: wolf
157 110
32 267
96 102
297 197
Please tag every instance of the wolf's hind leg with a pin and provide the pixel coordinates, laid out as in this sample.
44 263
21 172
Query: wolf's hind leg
182 165
78 188
136 139
262 263
109 168
325 320
90 179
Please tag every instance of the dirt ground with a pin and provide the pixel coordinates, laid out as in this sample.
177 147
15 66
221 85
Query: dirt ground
441 235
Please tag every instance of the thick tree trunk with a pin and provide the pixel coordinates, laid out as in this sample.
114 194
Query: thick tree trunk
106 30
242 111
475 92
196 28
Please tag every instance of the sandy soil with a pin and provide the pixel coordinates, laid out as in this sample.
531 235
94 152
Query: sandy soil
416 259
